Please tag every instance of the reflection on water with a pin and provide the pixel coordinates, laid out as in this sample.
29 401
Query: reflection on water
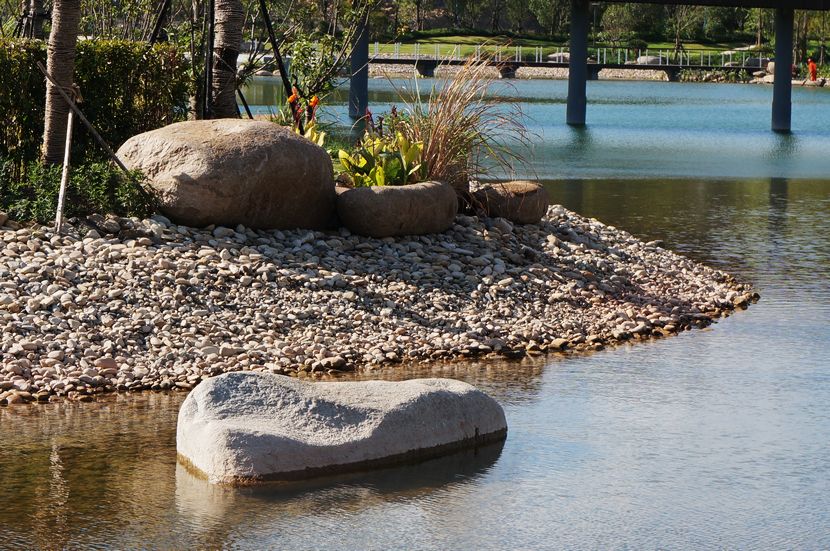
226 512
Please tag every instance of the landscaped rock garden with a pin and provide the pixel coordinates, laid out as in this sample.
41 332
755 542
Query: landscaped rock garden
155 305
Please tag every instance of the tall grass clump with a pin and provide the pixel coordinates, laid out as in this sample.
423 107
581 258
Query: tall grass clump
464 132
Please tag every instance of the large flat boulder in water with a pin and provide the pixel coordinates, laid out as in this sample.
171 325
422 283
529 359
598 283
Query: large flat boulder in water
231 171
241 428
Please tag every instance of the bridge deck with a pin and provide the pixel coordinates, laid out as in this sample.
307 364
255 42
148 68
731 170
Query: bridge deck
559 65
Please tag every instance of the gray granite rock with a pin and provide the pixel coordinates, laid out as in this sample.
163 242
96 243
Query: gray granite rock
241 428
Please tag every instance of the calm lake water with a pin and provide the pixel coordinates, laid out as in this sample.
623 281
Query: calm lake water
713 439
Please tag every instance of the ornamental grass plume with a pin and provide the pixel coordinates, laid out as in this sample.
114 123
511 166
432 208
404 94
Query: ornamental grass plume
465 134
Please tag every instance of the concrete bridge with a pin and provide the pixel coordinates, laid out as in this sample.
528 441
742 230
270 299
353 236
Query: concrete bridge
507 68
580 71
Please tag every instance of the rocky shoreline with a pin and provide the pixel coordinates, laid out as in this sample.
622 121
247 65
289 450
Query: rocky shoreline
149 305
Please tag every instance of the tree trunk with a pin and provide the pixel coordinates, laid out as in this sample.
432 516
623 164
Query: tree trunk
497 6
759 39
60 63
230 22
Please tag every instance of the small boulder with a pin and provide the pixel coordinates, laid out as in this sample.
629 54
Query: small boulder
521 202
388 211
3 218
231 171
244 427
652 60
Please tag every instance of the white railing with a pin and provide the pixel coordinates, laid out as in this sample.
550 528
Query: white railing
601 55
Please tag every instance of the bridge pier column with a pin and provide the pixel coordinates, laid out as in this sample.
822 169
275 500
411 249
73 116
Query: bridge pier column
507 70
782 106
359 82
426 67
578 65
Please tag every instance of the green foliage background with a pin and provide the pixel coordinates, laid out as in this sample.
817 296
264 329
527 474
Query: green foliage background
127 88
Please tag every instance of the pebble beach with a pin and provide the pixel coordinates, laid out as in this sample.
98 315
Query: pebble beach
149 305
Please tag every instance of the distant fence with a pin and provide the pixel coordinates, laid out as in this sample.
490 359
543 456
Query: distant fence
601 55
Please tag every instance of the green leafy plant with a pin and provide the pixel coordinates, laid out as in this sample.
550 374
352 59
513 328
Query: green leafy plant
96 187
128 88
384 160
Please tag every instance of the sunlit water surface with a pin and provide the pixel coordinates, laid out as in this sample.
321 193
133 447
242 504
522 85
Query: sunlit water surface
713 439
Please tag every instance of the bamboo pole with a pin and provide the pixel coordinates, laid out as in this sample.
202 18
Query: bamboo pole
64 174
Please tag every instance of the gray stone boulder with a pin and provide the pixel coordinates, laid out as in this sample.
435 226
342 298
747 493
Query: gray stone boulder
652 60
231 171
520 201
559 57
388 211
243 427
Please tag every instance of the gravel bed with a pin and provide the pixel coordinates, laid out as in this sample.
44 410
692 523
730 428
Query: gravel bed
153 305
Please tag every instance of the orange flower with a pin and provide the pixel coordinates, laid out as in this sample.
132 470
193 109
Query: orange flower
314 101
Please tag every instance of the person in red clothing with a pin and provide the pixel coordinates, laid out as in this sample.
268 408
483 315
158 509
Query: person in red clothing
812 68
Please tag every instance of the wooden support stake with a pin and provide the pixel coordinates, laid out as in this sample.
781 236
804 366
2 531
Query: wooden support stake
245 103
161 16
64 174
263 8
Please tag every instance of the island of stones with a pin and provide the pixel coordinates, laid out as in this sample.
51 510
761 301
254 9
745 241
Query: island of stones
259 275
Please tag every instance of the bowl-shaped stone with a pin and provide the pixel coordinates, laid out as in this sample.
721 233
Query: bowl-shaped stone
388 211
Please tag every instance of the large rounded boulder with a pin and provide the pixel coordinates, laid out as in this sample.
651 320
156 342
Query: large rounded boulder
388 211
231 171
520 201
245 427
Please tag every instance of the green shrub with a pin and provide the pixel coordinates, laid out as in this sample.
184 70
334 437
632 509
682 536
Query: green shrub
127 88
384 159
94 187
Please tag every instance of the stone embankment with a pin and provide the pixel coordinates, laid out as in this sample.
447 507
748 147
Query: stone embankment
380 70
152 305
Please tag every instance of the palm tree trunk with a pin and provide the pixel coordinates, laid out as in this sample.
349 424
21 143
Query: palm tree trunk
230 23
60 62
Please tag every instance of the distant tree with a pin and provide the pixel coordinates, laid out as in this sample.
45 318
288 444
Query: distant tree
622 21
723 23
552 15
682 22
759 22
33 27
497 13
516 15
